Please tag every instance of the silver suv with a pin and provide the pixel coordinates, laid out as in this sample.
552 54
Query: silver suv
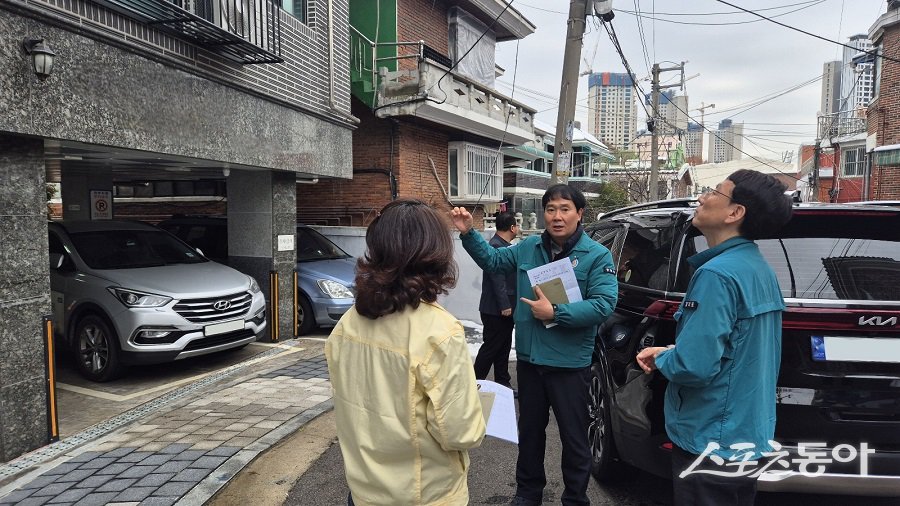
130 293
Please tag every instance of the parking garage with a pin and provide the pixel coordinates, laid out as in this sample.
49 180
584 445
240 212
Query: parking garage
134 131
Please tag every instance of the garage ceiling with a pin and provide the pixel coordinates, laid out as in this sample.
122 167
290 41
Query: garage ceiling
128 165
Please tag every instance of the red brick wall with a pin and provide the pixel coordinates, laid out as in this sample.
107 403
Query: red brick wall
422 20
354 202
420 145
884 115
827 158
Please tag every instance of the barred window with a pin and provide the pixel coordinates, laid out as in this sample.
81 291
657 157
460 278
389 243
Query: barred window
854 161
476 172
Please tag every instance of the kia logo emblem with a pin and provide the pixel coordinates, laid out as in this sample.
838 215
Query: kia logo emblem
877 321
222 305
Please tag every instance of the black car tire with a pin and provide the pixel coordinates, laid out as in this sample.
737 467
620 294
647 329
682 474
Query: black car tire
604 466
95 347
305 316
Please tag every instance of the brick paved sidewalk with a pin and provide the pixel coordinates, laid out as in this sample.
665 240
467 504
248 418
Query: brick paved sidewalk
186 451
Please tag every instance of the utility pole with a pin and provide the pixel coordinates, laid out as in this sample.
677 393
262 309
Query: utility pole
654 135
702 110
568 93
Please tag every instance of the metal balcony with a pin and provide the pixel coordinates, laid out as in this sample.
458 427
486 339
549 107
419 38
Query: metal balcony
840 125
243 31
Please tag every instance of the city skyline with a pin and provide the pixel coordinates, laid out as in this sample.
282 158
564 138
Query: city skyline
757 73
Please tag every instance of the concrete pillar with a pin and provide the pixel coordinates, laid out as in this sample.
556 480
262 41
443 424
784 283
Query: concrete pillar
262 205
75 190
24 296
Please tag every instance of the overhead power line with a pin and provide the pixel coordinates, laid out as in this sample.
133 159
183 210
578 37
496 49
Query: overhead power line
789 27
618 47
777 7
725 23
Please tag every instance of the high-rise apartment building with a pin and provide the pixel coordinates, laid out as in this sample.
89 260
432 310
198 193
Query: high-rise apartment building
673 112
857 77
725 144
612 109
693 143
831 88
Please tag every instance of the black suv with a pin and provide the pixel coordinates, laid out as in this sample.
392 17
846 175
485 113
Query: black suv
839 385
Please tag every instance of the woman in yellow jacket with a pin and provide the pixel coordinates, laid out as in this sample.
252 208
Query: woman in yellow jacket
405 396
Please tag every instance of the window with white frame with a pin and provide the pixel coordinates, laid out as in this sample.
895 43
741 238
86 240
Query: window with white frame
853 161
475 172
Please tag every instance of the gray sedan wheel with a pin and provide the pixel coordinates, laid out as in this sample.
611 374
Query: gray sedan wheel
305 316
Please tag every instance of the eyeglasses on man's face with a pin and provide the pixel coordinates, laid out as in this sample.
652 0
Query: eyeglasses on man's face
710 191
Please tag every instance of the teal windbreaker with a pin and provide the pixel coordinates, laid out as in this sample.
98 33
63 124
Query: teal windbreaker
724 366
570 343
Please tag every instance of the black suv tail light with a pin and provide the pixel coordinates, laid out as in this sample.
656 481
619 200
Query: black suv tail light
877 320
662 309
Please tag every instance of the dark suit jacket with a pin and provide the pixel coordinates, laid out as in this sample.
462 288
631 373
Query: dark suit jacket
498 291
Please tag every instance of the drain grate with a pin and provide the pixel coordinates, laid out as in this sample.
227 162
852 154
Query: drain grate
58 448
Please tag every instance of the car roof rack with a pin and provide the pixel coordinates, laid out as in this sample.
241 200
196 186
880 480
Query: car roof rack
685 203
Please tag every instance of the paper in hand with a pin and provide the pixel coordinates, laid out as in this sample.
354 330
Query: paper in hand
557 282
559 279
499 408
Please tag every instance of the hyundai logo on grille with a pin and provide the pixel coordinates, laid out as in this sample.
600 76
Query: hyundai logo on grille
222 305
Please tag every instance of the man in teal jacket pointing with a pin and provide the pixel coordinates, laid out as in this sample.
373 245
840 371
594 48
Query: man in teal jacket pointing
720 401
554 363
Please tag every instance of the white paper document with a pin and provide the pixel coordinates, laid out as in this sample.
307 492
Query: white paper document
558 283
499 409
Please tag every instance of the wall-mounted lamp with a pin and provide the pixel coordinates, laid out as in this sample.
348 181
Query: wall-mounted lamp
226 171
41 56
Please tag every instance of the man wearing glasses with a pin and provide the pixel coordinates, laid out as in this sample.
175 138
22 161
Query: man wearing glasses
720 401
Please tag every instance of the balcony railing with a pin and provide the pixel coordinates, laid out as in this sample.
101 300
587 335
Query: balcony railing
432 81
244 31
431 91
841 124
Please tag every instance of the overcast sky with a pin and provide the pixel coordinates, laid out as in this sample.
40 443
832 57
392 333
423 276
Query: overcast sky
737 63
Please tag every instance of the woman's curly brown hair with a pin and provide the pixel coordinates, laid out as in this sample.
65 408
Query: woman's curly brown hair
409 259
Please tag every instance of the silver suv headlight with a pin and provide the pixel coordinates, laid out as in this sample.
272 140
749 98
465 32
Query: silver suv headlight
254 286
132 298
334 290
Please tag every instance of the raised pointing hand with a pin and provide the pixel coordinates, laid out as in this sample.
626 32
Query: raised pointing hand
461 219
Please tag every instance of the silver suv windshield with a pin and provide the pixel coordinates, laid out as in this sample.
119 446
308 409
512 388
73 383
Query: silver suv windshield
132 249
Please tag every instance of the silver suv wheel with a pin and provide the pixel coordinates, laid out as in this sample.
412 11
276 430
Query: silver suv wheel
96 349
